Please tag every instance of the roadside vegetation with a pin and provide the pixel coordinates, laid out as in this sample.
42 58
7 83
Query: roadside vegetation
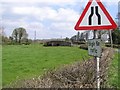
113 75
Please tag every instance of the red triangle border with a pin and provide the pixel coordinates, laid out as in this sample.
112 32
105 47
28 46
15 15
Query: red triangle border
105 27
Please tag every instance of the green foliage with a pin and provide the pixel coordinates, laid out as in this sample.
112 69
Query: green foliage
19 34
114 45
116 36
67 39
5 40
84 46
27 61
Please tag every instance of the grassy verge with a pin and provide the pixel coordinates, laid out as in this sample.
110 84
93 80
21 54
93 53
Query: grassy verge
27 61
114 72
0 67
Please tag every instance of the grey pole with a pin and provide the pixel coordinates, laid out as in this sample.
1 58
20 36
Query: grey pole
97 61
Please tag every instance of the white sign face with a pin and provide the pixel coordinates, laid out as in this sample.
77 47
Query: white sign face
94 47
94 20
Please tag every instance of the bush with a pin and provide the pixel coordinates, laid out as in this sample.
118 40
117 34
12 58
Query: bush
114 45
108 45
84 46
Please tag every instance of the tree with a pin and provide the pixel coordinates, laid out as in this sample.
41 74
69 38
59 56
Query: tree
67 39
73 38
11 39
84 36
116 36
3 38
15 35
19 34
78 36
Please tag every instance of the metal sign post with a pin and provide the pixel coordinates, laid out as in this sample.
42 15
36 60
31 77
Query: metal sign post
98 73
94 49
97 59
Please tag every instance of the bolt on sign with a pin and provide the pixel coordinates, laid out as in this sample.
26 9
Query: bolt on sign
94 47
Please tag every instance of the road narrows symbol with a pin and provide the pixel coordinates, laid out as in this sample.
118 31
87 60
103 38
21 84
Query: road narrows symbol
91 15
99 17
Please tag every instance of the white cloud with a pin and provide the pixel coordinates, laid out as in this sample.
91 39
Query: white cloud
23 10
61 21
30 27
48 2
63 26
67 15
1 10
33 15
109 0
47 13
14 23
23 23
41 13
54 1
55 30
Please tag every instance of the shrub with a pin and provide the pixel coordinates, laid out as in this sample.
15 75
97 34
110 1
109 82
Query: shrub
114 45
84 46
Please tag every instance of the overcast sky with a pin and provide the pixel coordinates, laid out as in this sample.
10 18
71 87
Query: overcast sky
49 18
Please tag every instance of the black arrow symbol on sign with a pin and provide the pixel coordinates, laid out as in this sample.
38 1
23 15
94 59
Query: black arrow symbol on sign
91 15
99 17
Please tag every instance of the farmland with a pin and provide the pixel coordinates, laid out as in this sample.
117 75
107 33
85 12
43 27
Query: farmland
27 61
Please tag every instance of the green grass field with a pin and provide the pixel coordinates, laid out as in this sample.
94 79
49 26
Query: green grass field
27 61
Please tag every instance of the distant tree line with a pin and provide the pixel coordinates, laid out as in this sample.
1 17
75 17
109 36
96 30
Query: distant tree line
81 38
19 36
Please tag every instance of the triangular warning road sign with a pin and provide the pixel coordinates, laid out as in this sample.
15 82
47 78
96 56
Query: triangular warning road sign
95 17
